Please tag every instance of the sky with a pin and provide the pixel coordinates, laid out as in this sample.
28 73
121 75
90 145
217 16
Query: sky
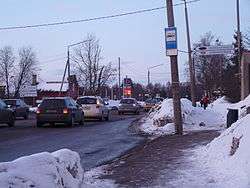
137 39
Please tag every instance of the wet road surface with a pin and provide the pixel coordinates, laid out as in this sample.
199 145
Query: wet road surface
96 142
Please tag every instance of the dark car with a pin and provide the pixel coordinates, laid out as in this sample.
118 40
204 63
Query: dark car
6 115
129 105
59 110
150 103
19 107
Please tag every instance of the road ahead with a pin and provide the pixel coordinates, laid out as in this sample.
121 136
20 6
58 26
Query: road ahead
96 142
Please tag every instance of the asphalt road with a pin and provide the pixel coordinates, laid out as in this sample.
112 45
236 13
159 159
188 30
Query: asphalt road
96 142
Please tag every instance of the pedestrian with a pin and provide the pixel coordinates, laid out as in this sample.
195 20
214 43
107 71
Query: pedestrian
201 102
205 102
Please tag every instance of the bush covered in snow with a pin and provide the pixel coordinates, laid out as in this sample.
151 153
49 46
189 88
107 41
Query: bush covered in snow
59 169
160 121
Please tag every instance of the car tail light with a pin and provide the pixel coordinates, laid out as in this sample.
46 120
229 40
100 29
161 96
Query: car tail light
38 111
65 111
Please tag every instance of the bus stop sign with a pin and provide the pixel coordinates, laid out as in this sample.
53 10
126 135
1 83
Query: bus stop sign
171 41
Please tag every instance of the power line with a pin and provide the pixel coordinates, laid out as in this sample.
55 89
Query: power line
90 19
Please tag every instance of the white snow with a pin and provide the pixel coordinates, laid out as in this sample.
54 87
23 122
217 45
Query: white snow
225 162
192 117
220 106
59 169
219 157
92 180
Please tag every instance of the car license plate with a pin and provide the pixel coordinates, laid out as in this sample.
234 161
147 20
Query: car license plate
86 107
51 111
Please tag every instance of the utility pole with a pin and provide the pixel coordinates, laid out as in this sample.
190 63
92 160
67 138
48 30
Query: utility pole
191 65
175 76
239 50
119 70
67 66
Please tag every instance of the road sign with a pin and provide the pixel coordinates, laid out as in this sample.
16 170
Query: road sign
28 91
171 41
215 50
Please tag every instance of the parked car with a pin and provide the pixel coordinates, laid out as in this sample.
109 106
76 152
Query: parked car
20 108
94 107
129 105
150 103
6 114
59 110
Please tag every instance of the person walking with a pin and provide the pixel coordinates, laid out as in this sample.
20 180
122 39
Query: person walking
205 101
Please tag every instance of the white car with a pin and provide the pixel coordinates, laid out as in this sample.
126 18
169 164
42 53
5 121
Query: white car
94 107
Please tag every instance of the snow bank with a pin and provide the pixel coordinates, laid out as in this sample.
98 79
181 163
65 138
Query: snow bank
229 153
59 169
160 121
220 106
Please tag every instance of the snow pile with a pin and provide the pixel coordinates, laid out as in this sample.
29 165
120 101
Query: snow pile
220 106
228 156
58 169
160 121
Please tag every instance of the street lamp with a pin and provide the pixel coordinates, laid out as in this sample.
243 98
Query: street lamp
67 66
149 71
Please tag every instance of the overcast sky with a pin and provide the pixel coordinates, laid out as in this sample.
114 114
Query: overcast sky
137 39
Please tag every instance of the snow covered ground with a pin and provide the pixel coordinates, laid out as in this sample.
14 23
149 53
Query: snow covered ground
160 121
225 162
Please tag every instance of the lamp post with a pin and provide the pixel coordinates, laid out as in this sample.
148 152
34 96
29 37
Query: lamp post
149 68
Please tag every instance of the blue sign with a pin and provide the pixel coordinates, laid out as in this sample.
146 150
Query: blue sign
171 41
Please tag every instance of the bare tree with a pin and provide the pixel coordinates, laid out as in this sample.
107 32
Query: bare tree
209 69
92 74
6 67
26 68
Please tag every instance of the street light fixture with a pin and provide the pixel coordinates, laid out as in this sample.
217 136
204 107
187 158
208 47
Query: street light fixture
152 68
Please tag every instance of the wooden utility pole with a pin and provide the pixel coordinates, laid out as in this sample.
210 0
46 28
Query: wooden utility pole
175 76
239 50
191 65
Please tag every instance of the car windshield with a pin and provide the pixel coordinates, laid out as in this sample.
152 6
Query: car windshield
86 100
10 102
52 103
127 101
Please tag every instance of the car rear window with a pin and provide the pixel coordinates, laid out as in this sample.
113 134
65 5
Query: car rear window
127 101
52 103
10 102
87 101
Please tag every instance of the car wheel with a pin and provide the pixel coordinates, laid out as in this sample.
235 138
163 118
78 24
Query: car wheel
102 117
82 121
39 124
12 121
71 122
